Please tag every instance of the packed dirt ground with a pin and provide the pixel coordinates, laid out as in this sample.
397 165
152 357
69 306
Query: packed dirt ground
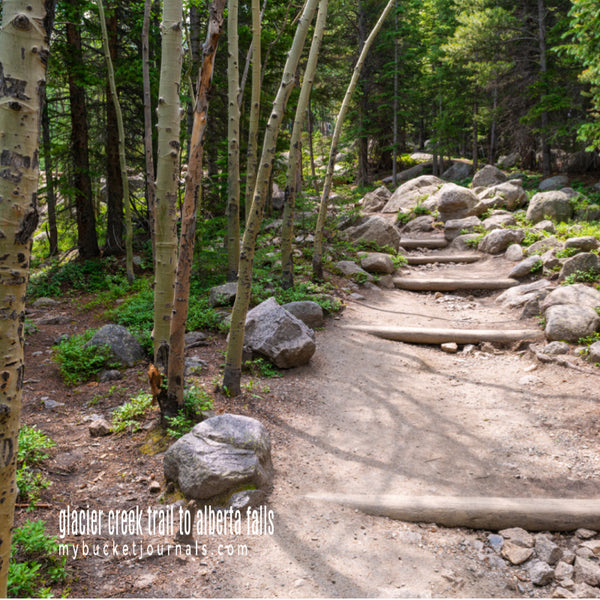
366 415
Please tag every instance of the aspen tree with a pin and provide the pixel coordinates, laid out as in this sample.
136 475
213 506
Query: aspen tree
24 37
233 365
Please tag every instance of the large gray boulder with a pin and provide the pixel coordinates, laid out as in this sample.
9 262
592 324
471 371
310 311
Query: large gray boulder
509 195
125 348
350 269
377 262
374 201
487 177
499 240
458 171
586 262
376 229
544 245
420 224
409 194
222 295
549 205
456 227
498 220
273 332
578 294
584 243
558 182
455 202
569 323
309 312
220 455
521 294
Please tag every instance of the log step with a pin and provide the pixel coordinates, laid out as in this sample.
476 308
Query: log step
442 258
440 284
422 335
433 243
478 512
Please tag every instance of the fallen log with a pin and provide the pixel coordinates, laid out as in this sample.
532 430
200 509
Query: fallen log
431 243
442 258
440 284
421 335
478 512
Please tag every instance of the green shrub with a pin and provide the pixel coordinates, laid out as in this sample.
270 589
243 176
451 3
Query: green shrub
195 402
581 277
33 444
128 415
35 562
262 367
79 363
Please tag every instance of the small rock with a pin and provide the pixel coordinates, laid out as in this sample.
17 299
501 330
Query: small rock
299 583
496 541
309 312
558 182
587 571
529 380
593 545
193 339
514 253
53 320
109 375
545 225
356 296
246 499
499 240
45 303
154 487
514 554
561 592
51 404
193 363
585 534
386 282
585 243
144 581
568 556
518 536
468 349
546 550
351 269
563 570
222 295
99 427
377 262
594 352
584 552
556 348
525 267
583 590
450 348
540 573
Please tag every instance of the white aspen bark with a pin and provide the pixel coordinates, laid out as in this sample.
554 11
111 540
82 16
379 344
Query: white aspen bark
317 261
23 60
233 365
167 172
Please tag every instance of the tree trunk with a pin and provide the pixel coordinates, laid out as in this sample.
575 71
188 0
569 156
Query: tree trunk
114 182
546 155
293 180
233 137
188 217
313 173
492 152
252 152
121 131
362 178
233 365
475 152
167 173
317 261
395 107
24 36
50 193
150 191
82 184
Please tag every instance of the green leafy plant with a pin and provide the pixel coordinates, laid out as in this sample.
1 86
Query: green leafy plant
581 277
474 241
30 327
399 261
567 252
35 563
262 367
195 402
79 362
128 415
33 444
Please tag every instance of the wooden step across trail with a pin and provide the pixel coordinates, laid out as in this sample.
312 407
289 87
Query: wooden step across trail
447 284
423 335
430 242
430 259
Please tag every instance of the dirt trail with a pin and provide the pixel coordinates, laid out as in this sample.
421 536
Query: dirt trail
382 417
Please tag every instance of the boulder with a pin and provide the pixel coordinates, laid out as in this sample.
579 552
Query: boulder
586 262
309 312
499 240
100 428
509 195
578 293
350 269
374 229
556 348
568 322
423 223
525 267
584 243
488 176
374 201
220 455
508 161
544 245
456 227
222 295
558 182
377 262
520 294
465 242
545 225
409 194
499 221
588 213
514 253
273 332
549 205
125 348
594 352
454 202
458 171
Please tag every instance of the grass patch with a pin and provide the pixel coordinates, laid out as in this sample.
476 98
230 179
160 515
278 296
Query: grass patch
33 444
128 415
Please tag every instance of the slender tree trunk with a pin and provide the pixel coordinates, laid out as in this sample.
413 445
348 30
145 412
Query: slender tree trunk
293 173
121 130
313 171
233 365
233 137
317 261
475 146
492 152
252 153
174 400
167 174
82 183
114 182
546 154
50 193
24 36
363 140
396 65
150 191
